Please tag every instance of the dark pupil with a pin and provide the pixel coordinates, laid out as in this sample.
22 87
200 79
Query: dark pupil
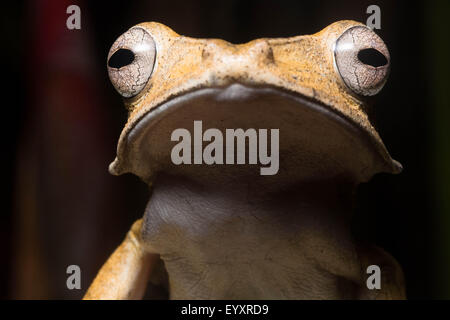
372 57
120 58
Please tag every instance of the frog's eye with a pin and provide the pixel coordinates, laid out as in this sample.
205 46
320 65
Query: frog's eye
362 60
130 61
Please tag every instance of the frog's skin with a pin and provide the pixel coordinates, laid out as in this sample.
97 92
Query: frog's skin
225 231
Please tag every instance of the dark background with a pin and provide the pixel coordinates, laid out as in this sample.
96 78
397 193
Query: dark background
63 119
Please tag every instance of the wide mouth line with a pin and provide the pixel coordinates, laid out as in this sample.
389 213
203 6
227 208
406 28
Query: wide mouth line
238 91
309 101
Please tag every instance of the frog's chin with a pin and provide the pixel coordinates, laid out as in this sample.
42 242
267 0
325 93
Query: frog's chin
315 142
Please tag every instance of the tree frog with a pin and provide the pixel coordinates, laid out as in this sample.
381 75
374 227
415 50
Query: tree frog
222 230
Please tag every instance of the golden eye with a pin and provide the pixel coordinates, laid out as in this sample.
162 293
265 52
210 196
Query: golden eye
130 61
362 60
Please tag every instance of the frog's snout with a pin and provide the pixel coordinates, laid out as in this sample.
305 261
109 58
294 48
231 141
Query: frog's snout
237 61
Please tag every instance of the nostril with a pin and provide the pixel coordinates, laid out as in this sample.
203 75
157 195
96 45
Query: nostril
262 48
216 48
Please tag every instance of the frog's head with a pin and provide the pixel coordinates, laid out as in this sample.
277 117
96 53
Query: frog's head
315 89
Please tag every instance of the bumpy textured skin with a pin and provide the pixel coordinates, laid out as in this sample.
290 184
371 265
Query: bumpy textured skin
303 65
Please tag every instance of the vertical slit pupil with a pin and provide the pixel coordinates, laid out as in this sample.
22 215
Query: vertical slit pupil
372 57
121 58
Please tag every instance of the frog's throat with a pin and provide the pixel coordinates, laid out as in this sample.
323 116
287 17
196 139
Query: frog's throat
316 141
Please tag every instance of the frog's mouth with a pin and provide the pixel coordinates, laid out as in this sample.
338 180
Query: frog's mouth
315 142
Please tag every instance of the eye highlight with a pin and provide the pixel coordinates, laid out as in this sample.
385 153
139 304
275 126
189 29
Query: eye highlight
130 61
362 60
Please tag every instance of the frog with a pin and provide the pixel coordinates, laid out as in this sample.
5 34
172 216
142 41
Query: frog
224 231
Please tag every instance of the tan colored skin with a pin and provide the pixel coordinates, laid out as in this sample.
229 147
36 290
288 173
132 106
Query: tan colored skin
302 65
125 275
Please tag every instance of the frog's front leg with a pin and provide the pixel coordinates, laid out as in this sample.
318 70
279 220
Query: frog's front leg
126 273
